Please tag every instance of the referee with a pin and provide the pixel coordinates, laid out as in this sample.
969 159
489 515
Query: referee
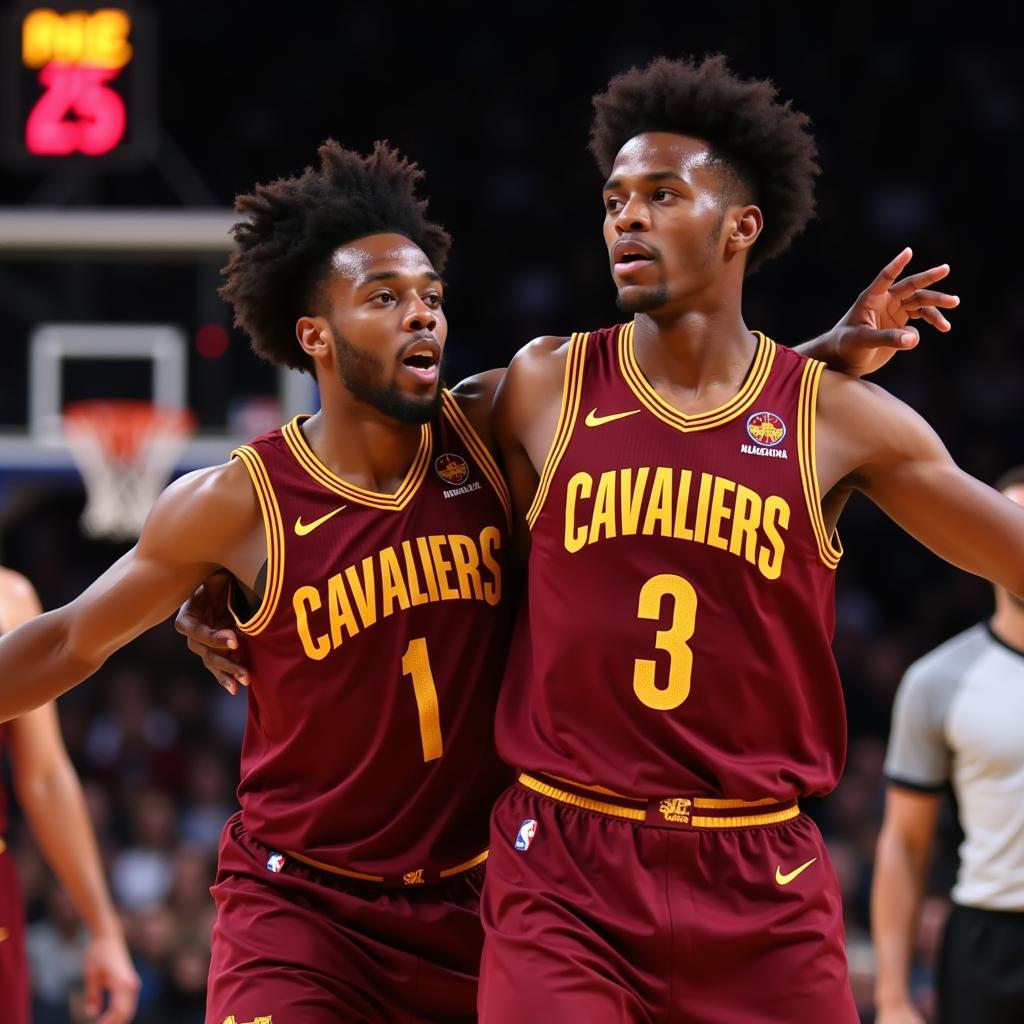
958 719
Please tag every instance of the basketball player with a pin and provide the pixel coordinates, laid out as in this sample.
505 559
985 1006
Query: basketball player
51 798
671 691
367 546
957 720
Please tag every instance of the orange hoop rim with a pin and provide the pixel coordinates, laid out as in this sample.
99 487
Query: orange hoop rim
122 426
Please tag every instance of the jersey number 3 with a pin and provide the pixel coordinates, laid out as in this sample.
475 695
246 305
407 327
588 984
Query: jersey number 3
416 663
673 640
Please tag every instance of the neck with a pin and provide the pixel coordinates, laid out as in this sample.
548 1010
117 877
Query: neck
359 443
694 350
1008 621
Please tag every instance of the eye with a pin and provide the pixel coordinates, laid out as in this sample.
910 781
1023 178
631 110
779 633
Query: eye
433 300
613 204
662 194
382 299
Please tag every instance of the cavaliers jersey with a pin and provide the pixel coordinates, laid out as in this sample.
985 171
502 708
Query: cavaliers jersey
3 788
677 633
376 656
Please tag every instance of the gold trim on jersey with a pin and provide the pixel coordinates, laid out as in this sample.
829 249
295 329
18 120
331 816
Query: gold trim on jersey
653 402
829 551
304 455
480 452
639 812
572 391
274 528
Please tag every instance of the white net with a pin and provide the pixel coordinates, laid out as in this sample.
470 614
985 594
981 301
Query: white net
126 452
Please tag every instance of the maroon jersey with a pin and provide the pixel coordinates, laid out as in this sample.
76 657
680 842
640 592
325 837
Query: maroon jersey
376 656
3 788
677 636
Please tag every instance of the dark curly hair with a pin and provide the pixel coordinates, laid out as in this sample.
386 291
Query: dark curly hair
293 226
764 143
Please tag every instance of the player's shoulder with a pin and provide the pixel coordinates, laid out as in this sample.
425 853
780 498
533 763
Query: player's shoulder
204 510
475 398
542 359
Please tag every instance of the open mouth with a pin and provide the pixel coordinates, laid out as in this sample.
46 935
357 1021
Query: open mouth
420 361
629 257
423 358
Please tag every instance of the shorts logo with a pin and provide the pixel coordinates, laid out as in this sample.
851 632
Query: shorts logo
255 1020
275 863
413 877
452 469
785 879
676 808
527 831
766 428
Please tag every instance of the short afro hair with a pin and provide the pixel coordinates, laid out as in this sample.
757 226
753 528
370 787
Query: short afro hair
293 226
766 144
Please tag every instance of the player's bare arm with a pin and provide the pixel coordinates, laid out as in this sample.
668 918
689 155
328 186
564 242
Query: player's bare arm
207 520
901 870
526 410
877 325
869 441
475 396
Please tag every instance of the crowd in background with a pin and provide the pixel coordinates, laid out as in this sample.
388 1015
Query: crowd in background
917 147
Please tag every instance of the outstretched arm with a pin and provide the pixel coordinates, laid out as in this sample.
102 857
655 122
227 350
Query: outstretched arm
201 522
877 325
871 441
51 798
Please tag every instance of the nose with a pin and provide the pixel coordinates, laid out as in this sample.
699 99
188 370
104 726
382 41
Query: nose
419 316
633 216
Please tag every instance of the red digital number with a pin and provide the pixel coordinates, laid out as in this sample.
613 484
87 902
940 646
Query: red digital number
80 91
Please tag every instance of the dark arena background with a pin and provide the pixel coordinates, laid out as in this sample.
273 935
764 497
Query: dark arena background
919 128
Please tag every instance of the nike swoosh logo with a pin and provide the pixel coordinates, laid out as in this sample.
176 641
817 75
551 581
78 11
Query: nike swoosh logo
593 420
301 528
787 878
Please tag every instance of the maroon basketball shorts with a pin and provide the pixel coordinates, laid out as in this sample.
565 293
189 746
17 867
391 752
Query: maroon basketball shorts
14 987
296 945
601 909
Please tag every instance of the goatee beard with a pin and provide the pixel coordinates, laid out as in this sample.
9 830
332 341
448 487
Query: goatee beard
645 302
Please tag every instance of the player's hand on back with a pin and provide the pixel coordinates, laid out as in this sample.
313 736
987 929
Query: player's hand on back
109 972
205 621
877 325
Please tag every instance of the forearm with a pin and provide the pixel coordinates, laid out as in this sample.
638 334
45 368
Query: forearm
822 347
55 808
39 662
896 894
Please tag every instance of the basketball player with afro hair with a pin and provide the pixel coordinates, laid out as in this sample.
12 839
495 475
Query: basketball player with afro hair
671 693
366 547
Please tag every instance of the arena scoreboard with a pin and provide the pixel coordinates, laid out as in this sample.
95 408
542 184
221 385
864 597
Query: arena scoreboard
80 85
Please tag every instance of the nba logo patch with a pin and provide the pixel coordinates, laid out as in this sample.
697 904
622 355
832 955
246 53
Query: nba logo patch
766 428
452 469
527 831
275 862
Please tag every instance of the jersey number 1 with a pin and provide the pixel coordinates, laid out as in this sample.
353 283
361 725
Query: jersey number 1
673 640
416 663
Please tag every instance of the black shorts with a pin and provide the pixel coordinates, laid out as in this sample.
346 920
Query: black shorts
981 970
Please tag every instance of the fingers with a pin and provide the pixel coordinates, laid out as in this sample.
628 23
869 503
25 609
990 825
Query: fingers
205 636
926 297
889 273
921 280
890 337
931 315
123 999
93 992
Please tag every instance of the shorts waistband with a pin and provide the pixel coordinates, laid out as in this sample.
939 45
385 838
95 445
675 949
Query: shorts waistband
681 812
404 879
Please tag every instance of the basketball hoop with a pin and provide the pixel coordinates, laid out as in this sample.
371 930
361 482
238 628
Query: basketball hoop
125 451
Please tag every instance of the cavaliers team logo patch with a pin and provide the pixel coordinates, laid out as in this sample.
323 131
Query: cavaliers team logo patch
766 428
275 862
452 469
527 831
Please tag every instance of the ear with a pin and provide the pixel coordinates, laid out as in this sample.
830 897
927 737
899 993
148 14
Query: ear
744 224
314 334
